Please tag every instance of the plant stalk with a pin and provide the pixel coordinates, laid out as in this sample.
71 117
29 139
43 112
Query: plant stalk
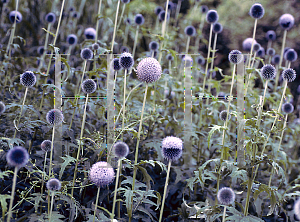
26 90
96 203
12 194
116 187
165 191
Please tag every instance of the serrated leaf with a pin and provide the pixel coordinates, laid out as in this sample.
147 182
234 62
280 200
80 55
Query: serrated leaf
67 160
213 129
49 32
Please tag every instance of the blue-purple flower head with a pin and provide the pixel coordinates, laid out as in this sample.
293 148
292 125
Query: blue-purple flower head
54 116
14 14
276 59
121 149
28 79
271 35
171 5
247 44
126 60
190 30
17 157
271 52
226 196
268 72
286 21
257 11
46 145
72 39
2 107
124 49
154 45
102 174
223 115
149 70
212 16
90 33
261 52
169 57
256 47
86 54
235 57
217 28
158 9
88 86
290 55
287 108
289 75
200 60
116 64
53 184
125 1
139 19
172 148
162 16
204 9
50 17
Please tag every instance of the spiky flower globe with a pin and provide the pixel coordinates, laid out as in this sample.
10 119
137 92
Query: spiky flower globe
54 116
46 145
2 107
90 33
171 148
88 107
12 15
226 196
268 72
276 59
125 1
139 19
290 55
153 45
158 9
287 108
88 86
40 50
86 54
50 17
256 47
289 75
126 60
257 11
270 51
204 9
53 184
217 27
247 44
95 46
116 64
169 57
121 149
28 79
17 157
261 52
102 174
286 21
162 16
235 57
72 39
149 70
190 30
212 16
271 35
200 60
223 115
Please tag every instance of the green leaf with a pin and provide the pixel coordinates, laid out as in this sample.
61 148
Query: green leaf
49 32
146 177
3 202
67 161
213 129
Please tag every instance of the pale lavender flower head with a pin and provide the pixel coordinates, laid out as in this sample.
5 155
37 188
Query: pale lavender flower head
171 148
226 196
17 157
102 174
149 70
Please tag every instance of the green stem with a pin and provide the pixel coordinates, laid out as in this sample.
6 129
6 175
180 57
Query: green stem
135 40
123 121
282 48
253 39
224 214
21 112
97 24
96 203
52 199
45 47
137 147
12 194
116 19
187 45
116 187
45 163
165 191
122 13
79 147
177 10
51 152
11 38
208 55
126 34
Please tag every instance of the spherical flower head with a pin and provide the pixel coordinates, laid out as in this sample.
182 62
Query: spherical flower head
54 116
102 174
247 44
124 49
169 57
12 15
88 86
261 52
170 5
171 148
257 11
128 21
40 50
28 79
276 59
2 107
200 60
190 30
271 35
158 9
223 115
125 1
226 196
162 16
72 39
217 27
86 54
90 33
50 17
204 9
88 107
95 46
287 108
286 21
235 57
116 64
212 16
46 145
270 51
290 55
53 184
139 19
289 75
121 149
187 61
126 60
153 45
268 72
149 70
17 157
256 47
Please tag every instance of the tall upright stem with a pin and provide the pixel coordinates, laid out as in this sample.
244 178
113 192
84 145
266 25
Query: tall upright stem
116 187
97 24
224 214
122 13
135 40
52 198
123 121
45 47
187 45
282 48
253 38
12 194
116 19
96 203
26 90
51 151
11 38
208 55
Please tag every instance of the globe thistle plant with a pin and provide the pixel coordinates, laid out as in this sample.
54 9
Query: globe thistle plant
50 17
200 60
13 15
256 47
46 145
40 50
149 70
271 52
126 60
257 11
54 116
289 75
235 57
95 46
153 45
276 59
212 16
271 35
261 52
2 107
286 21
190 30
139 19
226 196
217 28
247 44
28 79
223 115
158 9
268 72
53 184
86 54
116 64
204 9
290 55
124 49
88 86
102 174
287 108
121 149
90 33
162 16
